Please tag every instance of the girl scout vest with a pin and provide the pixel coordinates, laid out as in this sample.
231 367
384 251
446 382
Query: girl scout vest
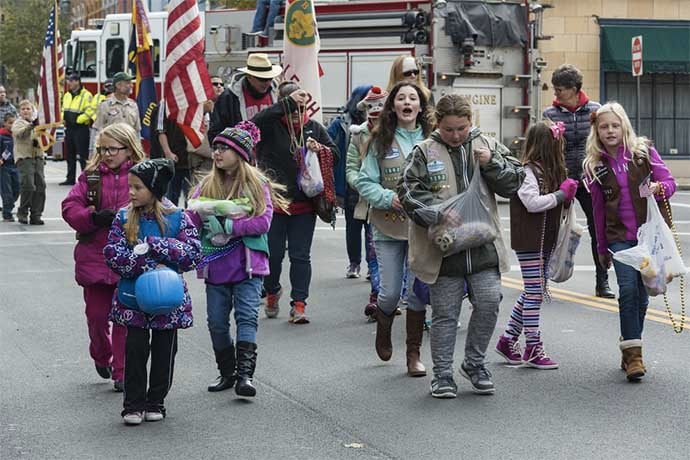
390 222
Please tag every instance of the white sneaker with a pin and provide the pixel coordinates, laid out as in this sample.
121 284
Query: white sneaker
154 416
133 418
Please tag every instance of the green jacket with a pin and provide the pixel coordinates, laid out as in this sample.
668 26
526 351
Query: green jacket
503 176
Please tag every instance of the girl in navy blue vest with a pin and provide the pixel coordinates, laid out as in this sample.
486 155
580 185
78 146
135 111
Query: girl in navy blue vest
150 233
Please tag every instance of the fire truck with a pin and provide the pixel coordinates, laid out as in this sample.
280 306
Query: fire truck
482 49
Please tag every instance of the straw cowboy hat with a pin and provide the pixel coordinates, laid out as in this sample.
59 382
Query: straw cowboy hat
258 65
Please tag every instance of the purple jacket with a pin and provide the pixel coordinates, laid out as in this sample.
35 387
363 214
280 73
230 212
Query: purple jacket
89 266
626 212
233 267
184 250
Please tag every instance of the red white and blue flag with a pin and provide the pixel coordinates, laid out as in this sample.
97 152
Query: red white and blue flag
187 81
140 55
50 81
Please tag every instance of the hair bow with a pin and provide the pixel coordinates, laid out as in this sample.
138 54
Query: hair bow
557 129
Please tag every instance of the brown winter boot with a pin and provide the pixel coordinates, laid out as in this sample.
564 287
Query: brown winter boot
415 330
632 359
384 324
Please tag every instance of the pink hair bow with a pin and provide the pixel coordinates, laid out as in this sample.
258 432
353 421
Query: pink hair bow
557 129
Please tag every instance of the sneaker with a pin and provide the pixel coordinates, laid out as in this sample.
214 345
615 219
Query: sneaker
104 371
23 220
133 418
536 357
443 387
153 416
479 377
297 313
118 386
36 221
8 219
353 271
270 304
509 348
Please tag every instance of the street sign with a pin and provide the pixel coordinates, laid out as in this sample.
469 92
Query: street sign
637 55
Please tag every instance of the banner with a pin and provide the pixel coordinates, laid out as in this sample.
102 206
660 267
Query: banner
141 65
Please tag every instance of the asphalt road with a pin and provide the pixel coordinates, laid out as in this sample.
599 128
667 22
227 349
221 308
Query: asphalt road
322 392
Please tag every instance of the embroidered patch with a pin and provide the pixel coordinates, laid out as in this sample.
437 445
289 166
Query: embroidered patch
438 177
113 112
432 153
435 166
390 171
392 153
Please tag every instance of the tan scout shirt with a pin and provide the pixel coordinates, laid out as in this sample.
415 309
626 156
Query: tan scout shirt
113 110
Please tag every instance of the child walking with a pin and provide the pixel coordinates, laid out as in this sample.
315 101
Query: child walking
9 175
618 166
89 208
150 233
538 205
235 247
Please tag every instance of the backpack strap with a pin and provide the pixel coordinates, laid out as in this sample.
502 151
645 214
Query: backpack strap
93 191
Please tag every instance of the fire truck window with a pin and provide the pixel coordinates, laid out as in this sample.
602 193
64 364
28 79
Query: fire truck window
156 58
115 57
86 59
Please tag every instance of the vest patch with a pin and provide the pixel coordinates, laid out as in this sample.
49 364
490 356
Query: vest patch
435 166
394 152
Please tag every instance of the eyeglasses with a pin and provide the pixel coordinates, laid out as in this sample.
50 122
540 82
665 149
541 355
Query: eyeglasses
217 83
263 80
112 151
221 148
409 73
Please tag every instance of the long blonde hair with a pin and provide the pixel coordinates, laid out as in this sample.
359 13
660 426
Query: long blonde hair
123 134
134 214
247 181
637 145
396 76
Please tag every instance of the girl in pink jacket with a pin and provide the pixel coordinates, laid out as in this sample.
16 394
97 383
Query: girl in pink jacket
89 208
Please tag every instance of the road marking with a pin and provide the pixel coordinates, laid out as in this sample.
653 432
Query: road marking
659 316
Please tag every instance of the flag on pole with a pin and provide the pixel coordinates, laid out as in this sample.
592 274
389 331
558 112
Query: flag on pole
50 81
301 47
187 82
140 55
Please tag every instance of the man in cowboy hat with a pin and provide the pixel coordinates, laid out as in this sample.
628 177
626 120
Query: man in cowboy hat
250 92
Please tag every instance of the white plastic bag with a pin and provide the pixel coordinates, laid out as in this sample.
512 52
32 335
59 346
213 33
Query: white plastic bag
310 180
562 260
651 268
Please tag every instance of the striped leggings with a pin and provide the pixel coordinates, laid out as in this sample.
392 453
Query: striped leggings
525 314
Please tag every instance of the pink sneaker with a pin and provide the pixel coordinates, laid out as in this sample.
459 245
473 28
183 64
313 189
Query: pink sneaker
509 348
536 357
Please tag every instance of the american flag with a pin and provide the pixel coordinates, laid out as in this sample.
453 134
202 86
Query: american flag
51 78
188 84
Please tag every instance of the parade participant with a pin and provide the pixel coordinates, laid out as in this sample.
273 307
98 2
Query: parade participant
405 68
89 208
92 110
250 91
28 157
372 105
9 175
339 131
5 105
119 107
235 247
75 114
149 234
617 164
538 205
218 87
265 20
402 123
441 167
285 129
572 107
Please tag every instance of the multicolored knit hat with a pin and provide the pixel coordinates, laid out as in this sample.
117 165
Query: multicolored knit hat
373 102
242 138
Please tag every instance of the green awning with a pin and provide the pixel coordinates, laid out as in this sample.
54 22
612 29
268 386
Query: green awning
665 45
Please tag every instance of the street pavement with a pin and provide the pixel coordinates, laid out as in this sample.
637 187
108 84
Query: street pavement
322 392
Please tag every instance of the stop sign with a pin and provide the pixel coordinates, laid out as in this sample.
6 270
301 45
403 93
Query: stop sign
637 55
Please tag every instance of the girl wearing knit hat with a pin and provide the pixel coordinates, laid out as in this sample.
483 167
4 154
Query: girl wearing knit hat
150 234
233 208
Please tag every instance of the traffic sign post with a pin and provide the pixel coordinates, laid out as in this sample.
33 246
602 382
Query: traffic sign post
637 71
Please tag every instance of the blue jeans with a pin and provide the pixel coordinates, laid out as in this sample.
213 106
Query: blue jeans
632 295
298 232
9 185
180 183
263 22
353 235
392 258
244 297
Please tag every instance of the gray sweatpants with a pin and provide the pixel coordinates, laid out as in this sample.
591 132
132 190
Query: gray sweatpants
446 299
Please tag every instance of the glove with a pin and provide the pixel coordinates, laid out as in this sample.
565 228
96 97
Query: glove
569 188
214 227
103 217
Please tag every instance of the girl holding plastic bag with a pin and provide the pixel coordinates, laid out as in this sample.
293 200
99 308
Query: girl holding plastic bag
439 168
622 170
537 205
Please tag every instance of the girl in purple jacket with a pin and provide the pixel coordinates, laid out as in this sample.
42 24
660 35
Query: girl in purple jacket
620 168
89 209
233 206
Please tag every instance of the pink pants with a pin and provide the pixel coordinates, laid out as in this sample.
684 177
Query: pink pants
105 349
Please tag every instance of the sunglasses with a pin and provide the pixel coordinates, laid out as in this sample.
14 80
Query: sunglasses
217 83
410 73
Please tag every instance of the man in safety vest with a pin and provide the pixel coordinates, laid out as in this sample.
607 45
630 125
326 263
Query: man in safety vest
75 105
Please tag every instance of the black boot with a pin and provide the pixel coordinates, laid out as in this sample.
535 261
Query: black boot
246 363
602 289
226 365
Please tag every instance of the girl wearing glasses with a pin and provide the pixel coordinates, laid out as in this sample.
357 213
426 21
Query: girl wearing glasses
89 208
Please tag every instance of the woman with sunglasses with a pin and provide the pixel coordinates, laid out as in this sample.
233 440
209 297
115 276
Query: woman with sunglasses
405 68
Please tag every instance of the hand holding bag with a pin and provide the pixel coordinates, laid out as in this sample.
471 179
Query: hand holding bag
562 263
309 178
